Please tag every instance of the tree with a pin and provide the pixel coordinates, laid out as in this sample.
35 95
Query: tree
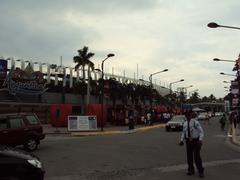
83 59
194 98
204 99
212 98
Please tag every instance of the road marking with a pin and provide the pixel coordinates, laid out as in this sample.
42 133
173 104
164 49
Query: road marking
206 164
221 135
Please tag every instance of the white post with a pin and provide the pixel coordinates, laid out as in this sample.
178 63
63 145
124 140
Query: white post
78 75
13 63
71 77
64 77
22 64
40 67
56 78
48 73
88 86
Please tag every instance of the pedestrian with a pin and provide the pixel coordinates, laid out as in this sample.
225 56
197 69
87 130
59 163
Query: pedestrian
193 134
149 118
222 121
131 119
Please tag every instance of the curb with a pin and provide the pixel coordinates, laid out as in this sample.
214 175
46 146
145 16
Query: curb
117 132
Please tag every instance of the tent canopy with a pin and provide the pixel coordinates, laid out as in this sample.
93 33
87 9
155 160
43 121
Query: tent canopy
197 109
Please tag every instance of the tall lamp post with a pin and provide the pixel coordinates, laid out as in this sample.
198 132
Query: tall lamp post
226 82
150 79
215 25
216 59
102 94
222 73
170 85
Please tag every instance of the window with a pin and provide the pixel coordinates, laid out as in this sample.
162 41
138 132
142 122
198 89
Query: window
3 123
15 122
32 120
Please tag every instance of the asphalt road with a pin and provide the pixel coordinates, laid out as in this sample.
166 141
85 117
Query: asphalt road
152 154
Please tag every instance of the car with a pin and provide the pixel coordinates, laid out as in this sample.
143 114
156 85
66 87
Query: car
21 129
218 113
176 123
16 164
203 116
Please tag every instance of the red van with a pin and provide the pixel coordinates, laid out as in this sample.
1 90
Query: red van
21 129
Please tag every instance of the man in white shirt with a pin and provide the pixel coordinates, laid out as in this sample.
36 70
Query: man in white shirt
193 135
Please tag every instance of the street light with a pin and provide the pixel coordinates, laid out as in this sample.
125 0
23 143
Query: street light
226 82
150 79
216 59
215 25
222 73
102 67
170 85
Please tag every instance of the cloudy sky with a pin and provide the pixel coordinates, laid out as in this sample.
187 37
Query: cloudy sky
150 34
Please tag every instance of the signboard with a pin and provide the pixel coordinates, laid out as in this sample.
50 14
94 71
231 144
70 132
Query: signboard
82 123
26 81
234 87
235 101
3 69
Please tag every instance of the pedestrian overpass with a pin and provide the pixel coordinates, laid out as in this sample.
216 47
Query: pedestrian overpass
211 106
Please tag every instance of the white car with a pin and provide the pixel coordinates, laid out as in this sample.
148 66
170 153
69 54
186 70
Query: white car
203 116
218 113
176 123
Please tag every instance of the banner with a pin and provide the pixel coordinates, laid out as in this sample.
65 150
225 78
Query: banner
26 81
3 69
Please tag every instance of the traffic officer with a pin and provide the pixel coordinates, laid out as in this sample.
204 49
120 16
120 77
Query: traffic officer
193 134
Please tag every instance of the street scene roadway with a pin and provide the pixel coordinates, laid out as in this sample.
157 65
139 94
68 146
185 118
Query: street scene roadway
152 154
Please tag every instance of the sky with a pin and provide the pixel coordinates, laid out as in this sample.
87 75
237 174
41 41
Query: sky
146 36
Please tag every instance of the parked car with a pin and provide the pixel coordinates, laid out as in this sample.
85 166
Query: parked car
21 129
203 116
19 165
176 123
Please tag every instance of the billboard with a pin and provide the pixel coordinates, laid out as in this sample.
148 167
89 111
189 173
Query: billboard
26 81
3 69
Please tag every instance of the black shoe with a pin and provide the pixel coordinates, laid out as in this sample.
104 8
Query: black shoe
189 173
201 175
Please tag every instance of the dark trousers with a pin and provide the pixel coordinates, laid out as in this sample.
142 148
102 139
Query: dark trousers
193 151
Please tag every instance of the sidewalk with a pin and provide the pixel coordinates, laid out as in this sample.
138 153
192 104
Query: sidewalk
107 130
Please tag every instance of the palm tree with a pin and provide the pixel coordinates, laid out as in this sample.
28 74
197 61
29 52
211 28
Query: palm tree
83 59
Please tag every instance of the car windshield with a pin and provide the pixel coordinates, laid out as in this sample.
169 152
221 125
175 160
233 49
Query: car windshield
203 114
178 118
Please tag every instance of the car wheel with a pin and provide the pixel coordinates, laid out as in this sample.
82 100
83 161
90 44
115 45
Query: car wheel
167 129
31 144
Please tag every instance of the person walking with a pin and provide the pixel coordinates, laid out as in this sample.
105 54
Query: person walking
193 134
222 121
149 118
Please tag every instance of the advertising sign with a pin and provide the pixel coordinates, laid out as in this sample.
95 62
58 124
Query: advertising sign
234 87
82 123
26 81
3 69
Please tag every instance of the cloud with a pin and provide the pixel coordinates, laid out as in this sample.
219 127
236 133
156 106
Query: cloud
153 34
